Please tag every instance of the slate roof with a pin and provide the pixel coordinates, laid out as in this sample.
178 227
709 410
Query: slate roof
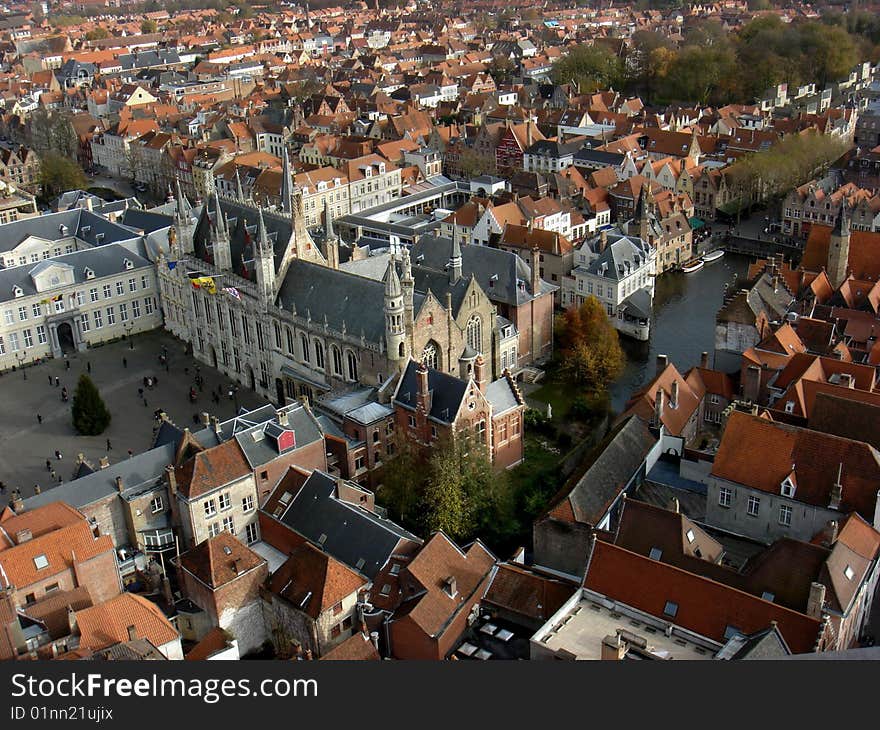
354 536
591 490
358 301
447 392
48 227
104 261
622 256
262 450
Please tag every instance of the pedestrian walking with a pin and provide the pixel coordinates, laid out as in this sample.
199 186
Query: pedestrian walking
167 368
145 402
109 448
49 464
57 381
140 392
39 419
130 453
54 475
50 380
67 364
124 363
58 454
89 367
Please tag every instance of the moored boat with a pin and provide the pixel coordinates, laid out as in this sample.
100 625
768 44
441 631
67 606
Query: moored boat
713 255
689 267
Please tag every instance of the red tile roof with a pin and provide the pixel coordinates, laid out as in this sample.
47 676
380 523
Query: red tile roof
107 624
211 468
703 605
220 560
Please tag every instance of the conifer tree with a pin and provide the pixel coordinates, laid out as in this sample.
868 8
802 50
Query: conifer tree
90 415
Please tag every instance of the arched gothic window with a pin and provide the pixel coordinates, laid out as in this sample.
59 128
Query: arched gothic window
429 355
475 333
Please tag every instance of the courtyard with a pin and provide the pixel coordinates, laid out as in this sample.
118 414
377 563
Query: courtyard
26 444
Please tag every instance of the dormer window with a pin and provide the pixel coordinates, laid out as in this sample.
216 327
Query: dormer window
788 488
849 572
89 273
17 292
789 407
128 263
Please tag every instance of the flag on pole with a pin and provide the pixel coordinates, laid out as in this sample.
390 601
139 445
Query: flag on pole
58 298
206 283
171 265
232 291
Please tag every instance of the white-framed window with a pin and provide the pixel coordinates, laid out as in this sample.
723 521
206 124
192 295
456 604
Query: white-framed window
149 304
252 533
229 524
754 505
247 504
80 298
132 285
135 308
111 316
120 288
784 515
9 316
84 322
93 294
214 529
28 338
13 341
36 309
724 495
225 501
210 507
108 291
156 505
123 312
59 305
22 314
41 334
2 347
145 282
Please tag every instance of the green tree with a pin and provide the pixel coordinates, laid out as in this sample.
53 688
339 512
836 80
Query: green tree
148 26
402 483
592 67
97 34
90 415
58 174
591 356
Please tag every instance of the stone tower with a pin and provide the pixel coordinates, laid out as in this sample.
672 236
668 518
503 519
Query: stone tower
408 286
331 240
264 261
220 236
838 248
184 222
395 330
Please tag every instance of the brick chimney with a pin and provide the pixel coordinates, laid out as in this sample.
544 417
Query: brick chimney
752 384
205 418
536 271
480 373
120 486
816 600
132 632
215 424
17 502
281 416
171 477
613 648
603 241
659 402
23 536
103 462
673 399
673 505
837 489
662 362
704 361
423 393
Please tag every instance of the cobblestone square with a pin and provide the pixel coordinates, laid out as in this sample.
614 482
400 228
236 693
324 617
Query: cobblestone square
118 370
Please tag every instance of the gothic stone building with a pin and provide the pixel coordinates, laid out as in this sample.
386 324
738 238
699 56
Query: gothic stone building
287 322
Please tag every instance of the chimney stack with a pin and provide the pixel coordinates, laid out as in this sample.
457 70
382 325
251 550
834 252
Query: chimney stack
206 419
374 638
480 373
673 505
613 648
17 502
119 485
23 536
423 394
704 361
536 270
831 531
171 477
215 424
603 241
816 600
673 400
132 633
281 415
837 489
103 462
659 402
662 362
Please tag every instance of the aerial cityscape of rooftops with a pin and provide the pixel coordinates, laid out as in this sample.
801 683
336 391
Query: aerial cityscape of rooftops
463 331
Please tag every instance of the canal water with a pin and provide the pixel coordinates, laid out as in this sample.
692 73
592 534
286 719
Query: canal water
683 326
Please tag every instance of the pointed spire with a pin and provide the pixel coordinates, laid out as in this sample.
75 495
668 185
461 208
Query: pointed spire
841 225
328 219
286 184
239 193
454 261
263 244
392 281
183 207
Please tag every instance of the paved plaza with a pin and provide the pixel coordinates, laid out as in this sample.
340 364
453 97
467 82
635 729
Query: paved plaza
26 444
